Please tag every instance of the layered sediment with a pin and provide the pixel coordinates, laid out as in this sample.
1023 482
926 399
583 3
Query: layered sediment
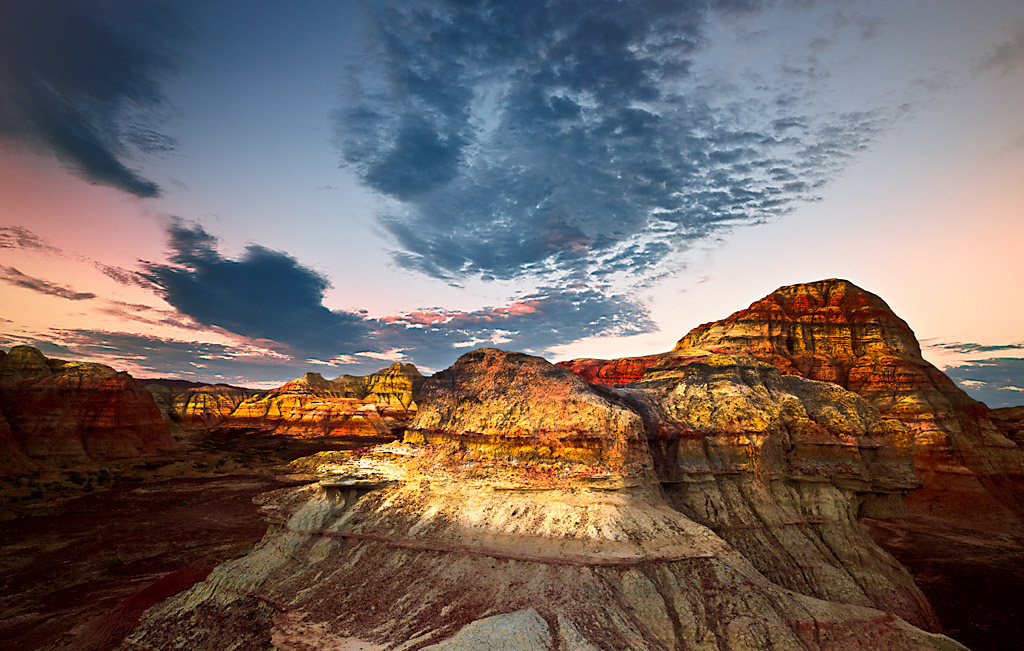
528 509
70 412
834 331
200 406
309 407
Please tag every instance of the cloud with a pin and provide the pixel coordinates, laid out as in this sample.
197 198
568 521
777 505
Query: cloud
82 80
1006 57
18 237
970 348
264 294
535 323
565 139
268 295
18 279
997 382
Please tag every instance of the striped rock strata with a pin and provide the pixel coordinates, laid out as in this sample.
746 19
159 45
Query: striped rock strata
73 412
527 509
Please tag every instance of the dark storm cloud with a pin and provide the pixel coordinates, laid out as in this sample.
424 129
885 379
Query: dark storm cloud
265 294
561 137
81 80
270 297
996 382
18 279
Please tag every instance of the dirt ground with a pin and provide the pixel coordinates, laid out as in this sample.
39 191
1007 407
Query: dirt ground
84 550
975 581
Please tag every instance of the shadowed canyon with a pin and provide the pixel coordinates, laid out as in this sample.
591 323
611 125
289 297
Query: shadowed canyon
793 476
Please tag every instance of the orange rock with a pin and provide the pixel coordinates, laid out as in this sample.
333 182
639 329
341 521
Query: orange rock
613 372
82 413
833 330
712 506
195 405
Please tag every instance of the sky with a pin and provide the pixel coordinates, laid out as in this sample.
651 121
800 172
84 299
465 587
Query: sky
245 191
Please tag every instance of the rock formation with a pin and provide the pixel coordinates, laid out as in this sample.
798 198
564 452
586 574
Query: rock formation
833 330
310 406
196 405
392 389
612 372
710 506
76 412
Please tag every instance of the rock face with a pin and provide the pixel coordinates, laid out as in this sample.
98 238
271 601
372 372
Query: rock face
309 406
77 412
392 389
834 331
201 406
612 372
526 509
12 460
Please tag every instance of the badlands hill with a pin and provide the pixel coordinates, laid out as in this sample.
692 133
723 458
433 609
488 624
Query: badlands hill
54 411
966 454
710 505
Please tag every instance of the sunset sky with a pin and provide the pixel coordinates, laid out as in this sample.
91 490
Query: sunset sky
242 192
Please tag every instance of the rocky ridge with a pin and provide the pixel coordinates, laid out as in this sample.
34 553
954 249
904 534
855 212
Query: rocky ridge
71 412
309 406
834 331
710 506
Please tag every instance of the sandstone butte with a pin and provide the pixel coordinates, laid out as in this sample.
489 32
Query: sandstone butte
68 412
834 331
711 505
310 406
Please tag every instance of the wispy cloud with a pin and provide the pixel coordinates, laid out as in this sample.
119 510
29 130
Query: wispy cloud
18 279
997 382
81 80
560 139
19 237
1006 57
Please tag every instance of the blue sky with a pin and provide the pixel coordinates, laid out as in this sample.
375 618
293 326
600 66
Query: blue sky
244 191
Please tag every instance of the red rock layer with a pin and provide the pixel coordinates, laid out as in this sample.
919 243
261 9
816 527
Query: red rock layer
83 413
500 406
833 330
612 372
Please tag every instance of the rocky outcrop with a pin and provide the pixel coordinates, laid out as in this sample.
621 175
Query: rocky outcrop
1010 421
308 407
200 406
392 389
25 362
612 372
526 510
12 460
834 331
78 412
780 467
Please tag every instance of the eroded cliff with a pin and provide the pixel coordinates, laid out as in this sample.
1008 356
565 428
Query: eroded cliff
526 510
